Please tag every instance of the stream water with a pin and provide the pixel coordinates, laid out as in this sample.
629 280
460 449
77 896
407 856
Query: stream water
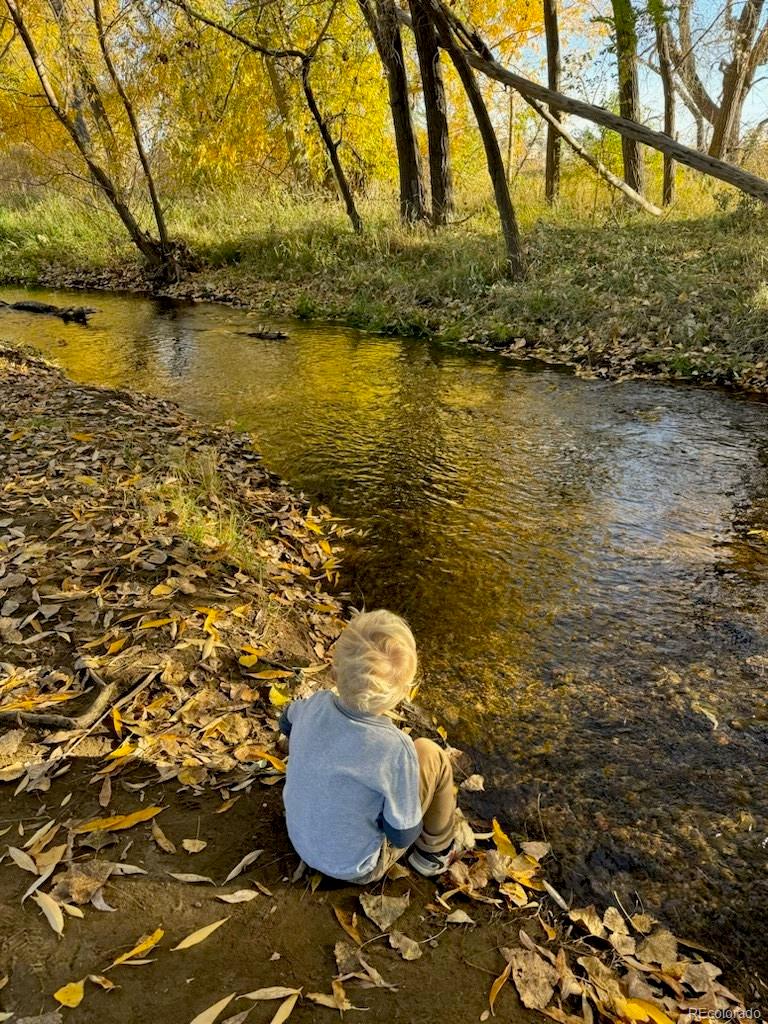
575 557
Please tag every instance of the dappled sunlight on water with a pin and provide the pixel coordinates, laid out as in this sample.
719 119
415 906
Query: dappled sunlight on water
575 559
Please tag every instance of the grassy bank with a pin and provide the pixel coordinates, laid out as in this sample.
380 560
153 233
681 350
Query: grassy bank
610 292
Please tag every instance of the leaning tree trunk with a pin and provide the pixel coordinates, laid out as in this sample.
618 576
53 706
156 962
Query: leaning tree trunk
148 246
629 88
382 21
440 175
515 256
668 85
552 169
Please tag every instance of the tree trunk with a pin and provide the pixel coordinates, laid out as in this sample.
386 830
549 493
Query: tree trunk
440 175
296 152
668 85
735 81
331 148
515 256
150 248
478 56
629 88
552 169
383 23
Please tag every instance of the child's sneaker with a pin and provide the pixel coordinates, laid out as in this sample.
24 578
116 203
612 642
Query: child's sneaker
428 863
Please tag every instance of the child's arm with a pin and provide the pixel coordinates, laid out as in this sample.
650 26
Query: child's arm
400 819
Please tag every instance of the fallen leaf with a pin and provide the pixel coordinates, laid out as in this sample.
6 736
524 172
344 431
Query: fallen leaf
71 995
473 784
241 865
200 935
105 793
497 986
459 917
183 876
209 1016
285 1010
349 923
162 839
22 860
537 850
659 948
384 910
102 982
534 978
118 821
275 992
52 911
241 896
502 841
193 845
145 943
239 1018
408 948
591 920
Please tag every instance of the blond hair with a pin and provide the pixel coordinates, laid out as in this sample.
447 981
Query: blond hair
375 662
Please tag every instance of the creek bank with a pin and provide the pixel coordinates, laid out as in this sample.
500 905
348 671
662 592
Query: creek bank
680 301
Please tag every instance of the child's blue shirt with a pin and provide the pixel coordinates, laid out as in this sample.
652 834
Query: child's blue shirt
352 781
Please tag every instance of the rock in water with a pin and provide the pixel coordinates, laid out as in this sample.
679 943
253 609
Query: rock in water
78 314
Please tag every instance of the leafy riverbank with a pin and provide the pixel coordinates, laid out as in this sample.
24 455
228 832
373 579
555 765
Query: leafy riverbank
610 293
161 595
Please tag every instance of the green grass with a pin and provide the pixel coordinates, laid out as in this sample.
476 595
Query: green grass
192 499
685 295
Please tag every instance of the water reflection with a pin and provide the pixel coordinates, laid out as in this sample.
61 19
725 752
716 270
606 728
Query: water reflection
574 558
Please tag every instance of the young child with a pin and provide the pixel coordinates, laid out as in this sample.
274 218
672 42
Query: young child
359 792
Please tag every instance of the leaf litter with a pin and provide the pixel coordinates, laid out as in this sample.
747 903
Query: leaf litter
123 626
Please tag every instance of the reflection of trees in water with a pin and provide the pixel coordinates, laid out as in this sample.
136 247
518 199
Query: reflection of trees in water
175 343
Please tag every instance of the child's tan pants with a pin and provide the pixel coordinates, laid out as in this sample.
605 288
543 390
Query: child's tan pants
438 808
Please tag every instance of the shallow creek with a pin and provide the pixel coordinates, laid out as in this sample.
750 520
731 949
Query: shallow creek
576 559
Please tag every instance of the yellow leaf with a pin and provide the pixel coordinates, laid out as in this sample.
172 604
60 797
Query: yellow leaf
154 623
71 995
249 660
52 911
273 673
443 732
161 590
88 481
277 698
641 1009
117 645
125 748
81 437
498 985
209 1016
118 821
200 935
117 722
503 843
145 943
257 754
284 1010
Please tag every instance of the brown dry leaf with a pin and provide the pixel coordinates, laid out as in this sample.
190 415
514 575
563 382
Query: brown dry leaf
473 784
162 839
241 896
459 917
409 949
537 850
52 911
82 881
642 923
659 948
398 871
346 958
145 943
209 1016
117 822
349 923
614 921
241 865
105 793
70 995
227 805
185 876
273 992
384 910
193 845
22 860
102 982
589 917
497 986
534 978
200 935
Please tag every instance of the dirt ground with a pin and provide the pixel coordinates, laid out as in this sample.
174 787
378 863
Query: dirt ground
284 939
